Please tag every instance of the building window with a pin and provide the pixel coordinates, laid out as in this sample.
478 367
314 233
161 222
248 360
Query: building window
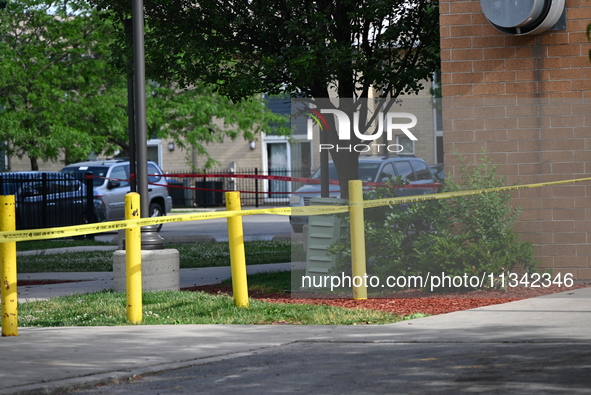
438 117
408 146
155 151
277 164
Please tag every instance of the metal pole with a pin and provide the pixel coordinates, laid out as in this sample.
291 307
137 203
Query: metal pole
127 23
256 187
151 240
358 265
8 271
237 254
324 176
133 261
140 105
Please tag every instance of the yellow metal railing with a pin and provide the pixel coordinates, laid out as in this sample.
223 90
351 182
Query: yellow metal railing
8 269
237 255
132 224
133 260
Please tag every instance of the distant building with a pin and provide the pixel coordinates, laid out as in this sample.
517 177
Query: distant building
272 151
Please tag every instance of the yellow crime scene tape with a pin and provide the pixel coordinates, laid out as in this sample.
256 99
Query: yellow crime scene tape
78 230
447 195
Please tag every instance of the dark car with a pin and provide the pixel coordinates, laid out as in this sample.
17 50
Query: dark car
48 199
437 171
371 169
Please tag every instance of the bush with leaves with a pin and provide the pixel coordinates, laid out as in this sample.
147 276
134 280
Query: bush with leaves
470 235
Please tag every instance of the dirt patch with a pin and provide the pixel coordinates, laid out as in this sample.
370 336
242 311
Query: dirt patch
406 303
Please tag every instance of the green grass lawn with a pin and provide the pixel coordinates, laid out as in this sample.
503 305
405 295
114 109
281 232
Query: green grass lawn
166 308
56 243
191 255
171 308
108 308
270 282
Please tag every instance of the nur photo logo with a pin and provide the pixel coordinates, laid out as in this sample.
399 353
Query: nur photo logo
348 125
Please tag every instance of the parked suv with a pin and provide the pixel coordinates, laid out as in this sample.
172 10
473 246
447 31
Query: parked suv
111 184
47 199
371 169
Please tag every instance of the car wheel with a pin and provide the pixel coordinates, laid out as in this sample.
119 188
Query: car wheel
156 210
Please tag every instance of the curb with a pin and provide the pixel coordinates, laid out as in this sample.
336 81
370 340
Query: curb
94 380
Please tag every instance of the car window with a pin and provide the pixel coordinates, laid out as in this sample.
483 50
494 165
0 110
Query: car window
31 189
63 186
421 171
404 170
367 171
99 173
152 171
119 174
332 172
387 173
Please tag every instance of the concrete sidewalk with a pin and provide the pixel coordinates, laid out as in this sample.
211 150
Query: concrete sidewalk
86 282
540 345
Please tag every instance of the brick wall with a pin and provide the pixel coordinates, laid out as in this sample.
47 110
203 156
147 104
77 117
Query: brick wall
527 101
237 151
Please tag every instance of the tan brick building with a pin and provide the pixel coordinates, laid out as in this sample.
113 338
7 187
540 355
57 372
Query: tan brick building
240 153
526 100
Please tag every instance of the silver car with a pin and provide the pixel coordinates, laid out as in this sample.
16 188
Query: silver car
111 184
371 169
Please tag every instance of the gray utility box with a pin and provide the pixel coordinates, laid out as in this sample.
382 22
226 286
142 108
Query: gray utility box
323 231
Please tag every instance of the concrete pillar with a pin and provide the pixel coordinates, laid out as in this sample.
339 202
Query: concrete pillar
160 270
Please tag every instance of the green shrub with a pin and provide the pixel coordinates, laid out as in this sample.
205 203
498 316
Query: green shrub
470 235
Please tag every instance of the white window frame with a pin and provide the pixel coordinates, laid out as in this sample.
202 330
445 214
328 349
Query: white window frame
275 140
404 151
158 144
437 131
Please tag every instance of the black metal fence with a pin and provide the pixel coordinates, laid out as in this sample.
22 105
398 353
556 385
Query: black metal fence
45 200
205 188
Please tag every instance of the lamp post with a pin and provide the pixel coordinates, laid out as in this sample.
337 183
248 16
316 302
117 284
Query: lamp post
128 26
140 103
150 238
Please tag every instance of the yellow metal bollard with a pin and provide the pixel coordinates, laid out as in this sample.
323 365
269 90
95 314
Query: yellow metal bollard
237 256
358 267
133 260
8 269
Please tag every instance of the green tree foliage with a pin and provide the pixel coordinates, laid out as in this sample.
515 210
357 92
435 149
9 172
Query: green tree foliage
187 116
353 48
46 76
60 89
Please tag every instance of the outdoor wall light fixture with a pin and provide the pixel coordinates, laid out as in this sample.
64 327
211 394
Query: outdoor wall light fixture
521 17
252 145
171 146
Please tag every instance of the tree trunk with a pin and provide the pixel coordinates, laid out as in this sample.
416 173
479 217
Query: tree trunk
34 163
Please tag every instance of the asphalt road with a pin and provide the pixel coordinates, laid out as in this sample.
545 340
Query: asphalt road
379 368
256 227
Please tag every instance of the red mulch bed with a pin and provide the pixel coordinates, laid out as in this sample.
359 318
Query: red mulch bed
406 303
25 283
